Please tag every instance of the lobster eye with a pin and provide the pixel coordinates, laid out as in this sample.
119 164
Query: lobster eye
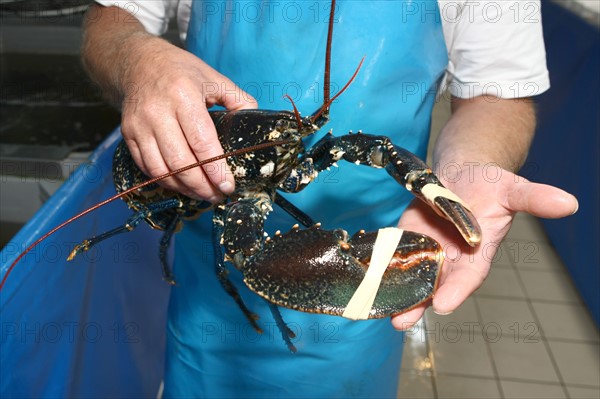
289 123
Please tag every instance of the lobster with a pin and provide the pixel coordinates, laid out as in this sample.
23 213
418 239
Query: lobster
265 151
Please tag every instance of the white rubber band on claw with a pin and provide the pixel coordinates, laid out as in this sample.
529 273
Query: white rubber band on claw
432 191
360 304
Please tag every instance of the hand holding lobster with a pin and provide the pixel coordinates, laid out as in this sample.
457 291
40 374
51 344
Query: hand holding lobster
164 104
480 137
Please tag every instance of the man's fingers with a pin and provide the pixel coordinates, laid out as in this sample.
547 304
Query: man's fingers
540 200
237 99
457 285
204 143
169 126
176 153
228 94
150 159
203 137
463 270
408 319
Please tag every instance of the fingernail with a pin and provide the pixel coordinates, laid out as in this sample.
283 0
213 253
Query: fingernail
406 326
226 187
576 206
443 313
214 199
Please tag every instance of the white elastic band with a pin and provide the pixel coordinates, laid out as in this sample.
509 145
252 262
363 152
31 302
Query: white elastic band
361 302
432 191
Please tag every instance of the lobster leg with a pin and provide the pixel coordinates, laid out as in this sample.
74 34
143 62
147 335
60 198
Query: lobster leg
286 333
129 225
162 250
405 167
240 231
291 209
222 272
300 176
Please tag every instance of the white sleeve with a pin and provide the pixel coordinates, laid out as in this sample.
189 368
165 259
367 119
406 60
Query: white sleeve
154 15
494 48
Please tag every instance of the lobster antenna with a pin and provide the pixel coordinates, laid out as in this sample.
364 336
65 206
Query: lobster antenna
130 190
325 106
327 77
296 113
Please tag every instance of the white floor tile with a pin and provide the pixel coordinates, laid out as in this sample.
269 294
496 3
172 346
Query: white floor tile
512 318
583 393
528 390
463 353
415 386
579 363
454 387
549 285
465 317
523 359
566 321
533 255
502 282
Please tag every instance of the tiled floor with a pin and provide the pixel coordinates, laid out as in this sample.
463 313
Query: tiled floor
523 334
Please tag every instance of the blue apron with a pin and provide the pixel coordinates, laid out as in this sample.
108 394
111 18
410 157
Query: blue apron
270 49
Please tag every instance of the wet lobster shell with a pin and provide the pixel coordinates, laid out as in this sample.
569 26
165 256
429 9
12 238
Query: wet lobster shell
325 281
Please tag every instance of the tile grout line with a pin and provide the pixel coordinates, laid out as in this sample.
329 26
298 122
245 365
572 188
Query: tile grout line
573 341
548 301
488 349
528 336
542 334
578 304
522 380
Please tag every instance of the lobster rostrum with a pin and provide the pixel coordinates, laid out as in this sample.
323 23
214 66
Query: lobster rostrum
330 265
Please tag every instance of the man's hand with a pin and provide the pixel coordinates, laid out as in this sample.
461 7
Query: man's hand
494 195
165 120
485 138
164 93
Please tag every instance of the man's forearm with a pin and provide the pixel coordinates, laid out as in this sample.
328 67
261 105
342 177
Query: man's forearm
112 40
486 130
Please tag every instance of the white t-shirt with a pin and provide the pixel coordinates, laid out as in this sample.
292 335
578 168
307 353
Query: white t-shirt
494 47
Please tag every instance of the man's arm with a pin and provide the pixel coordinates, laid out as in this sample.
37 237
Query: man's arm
488 138
163 92
487 129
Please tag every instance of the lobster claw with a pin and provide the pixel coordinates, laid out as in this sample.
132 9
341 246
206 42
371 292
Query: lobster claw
319 271
462 218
